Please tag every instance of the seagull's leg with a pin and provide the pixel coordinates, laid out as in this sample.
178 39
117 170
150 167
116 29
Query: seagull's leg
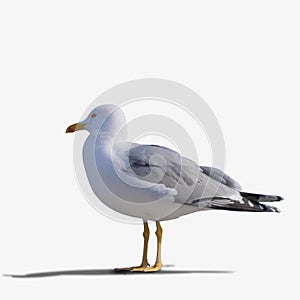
158 233
158 263
146 235
144 263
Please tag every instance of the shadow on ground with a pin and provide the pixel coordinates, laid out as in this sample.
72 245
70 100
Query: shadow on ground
111 272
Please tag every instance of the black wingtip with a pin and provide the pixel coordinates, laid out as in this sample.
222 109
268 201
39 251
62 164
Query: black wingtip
274 209
271 198
261 197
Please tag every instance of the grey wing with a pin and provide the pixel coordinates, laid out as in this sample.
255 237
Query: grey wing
221 177
158 164
193 183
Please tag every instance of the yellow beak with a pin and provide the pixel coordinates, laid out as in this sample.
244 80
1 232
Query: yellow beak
75 127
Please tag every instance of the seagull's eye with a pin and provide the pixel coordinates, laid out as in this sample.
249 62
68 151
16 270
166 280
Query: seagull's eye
93 115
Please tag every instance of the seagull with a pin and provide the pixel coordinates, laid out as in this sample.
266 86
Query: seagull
152 182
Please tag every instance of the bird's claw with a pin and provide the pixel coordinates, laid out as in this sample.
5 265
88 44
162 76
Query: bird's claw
143 268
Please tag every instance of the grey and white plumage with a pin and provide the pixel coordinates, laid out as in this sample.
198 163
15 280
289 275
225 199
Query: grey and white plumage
189 175
153 182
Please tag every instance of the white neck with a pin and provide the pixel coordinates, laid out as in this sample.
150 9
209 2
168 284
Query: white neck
112 131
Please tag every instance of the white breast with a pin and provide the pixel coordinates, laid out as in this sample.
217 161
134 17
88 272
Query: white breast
125 193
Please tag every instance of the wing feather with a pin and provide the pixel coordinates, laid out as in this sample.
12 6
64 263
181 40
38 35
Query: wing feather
162 165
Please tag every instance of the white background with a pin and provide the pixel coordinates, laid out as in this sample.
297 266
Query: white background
242 57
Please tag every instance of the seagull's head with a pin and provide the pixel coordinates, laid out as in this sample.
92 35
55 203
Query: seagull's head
106 118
